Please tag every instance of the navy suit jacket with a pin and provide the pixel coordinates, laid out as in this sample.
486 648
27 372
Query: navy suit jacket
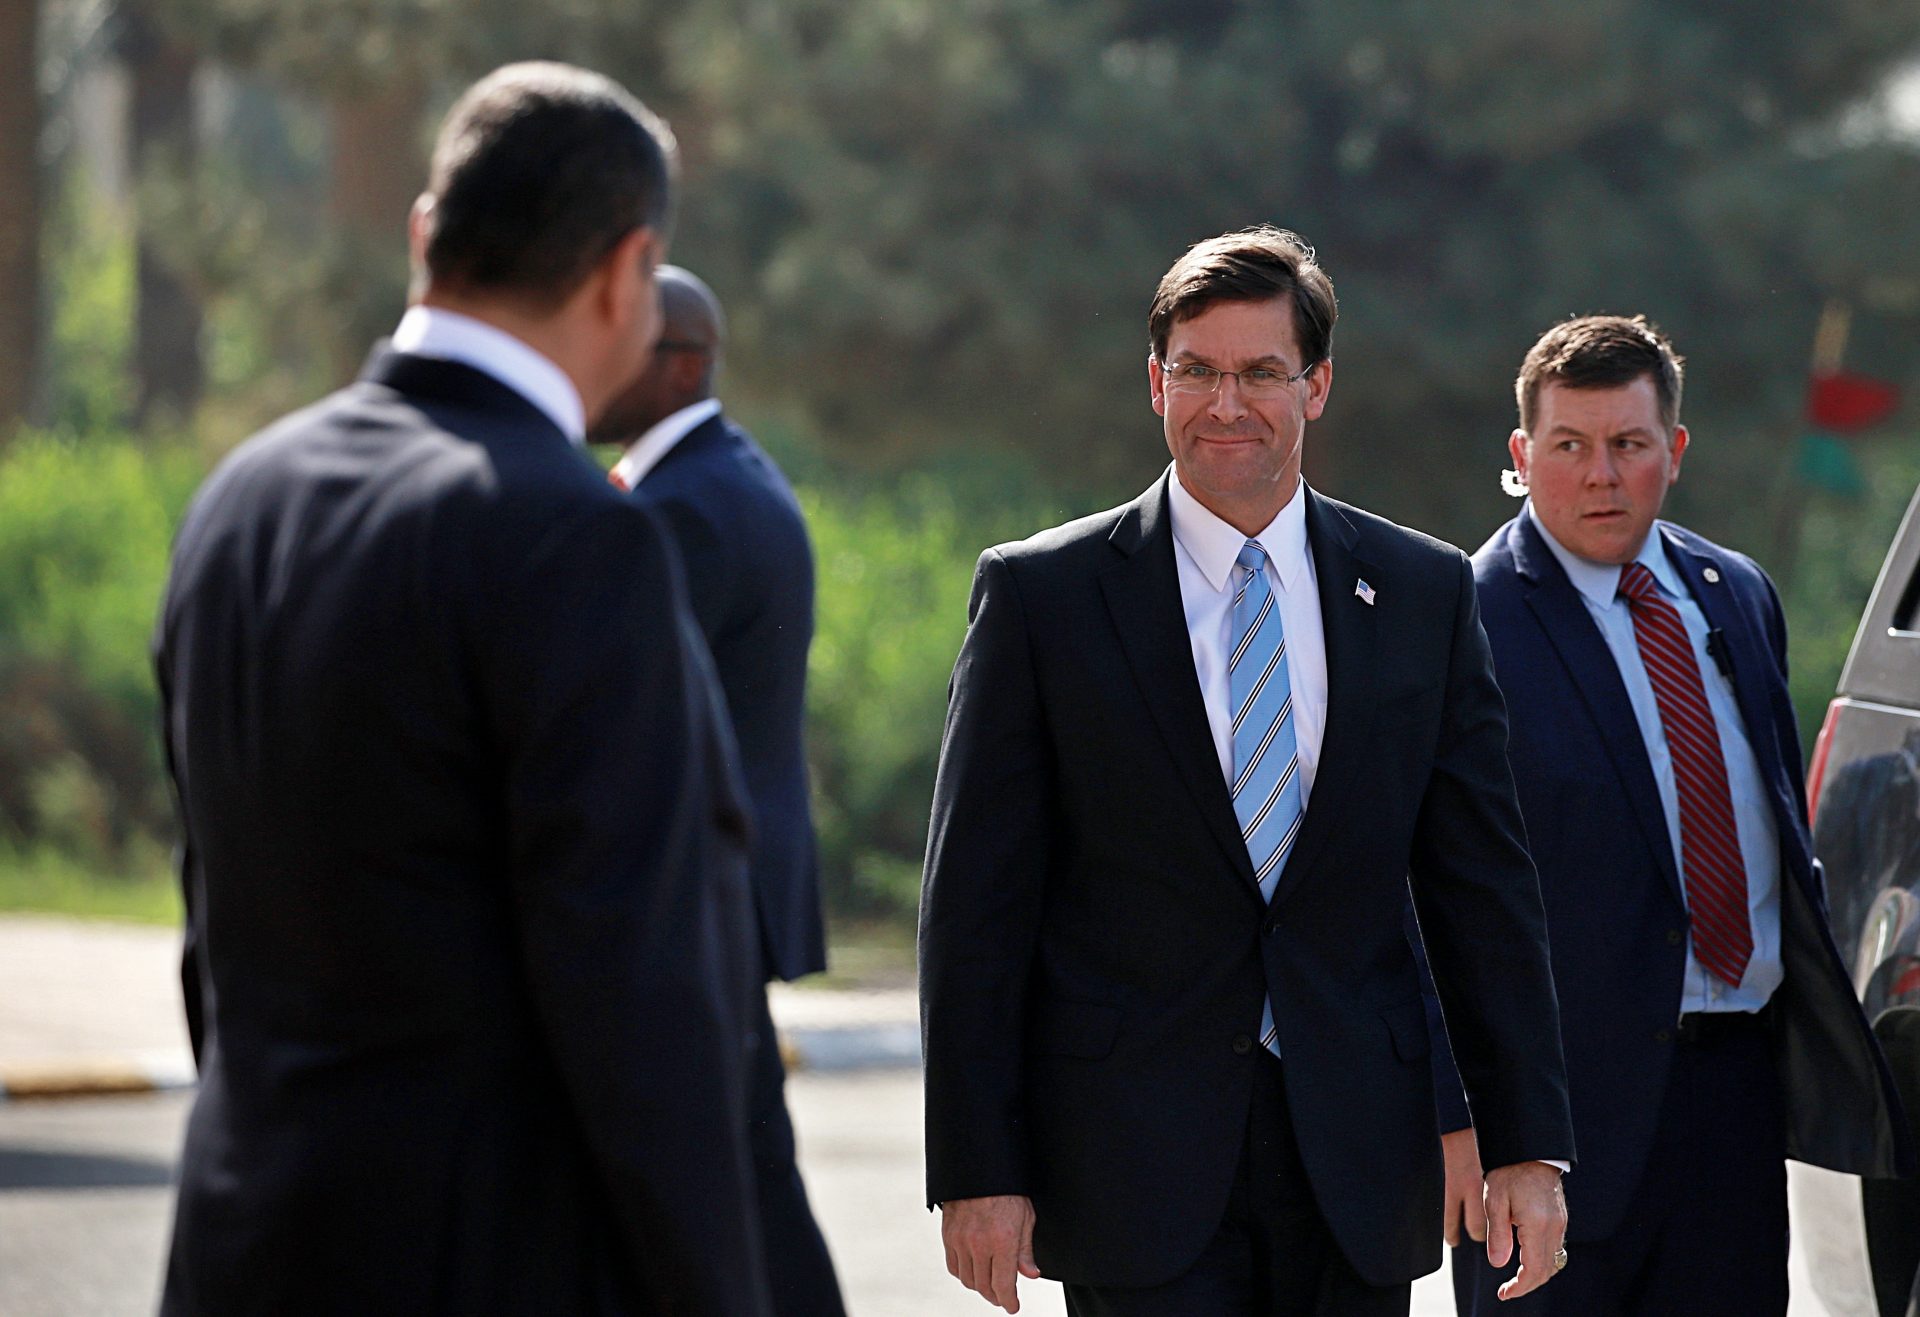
750 579
468 946
1094 949
1612 888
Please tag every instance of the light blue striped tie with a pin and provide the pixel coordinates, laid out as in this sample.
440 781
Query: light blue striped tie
1266 776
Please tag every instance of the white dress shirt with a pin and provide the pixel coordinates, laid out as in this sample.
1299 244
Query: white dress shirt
644 453
1205 550
1598 585
432 331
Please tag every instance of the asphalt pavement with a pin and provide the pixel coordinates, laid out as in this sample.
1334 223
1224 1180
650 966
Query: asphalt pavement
91 1011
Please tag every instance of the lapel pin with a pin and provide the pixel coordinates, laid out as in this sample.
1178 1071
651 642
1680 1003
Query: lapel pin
1712 574
1364 591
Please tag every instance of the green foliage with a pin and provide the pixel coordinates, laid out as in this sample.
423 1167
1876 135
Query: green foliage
940 225
84 535
1842 544
895 566
49 879
84 530
90 292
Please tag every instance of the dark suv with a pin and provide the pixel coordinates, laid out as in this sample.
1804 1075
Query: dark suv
1863 1239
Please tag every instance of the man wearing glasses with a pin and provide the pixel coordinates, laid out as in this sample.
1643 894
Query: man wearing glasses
1196 747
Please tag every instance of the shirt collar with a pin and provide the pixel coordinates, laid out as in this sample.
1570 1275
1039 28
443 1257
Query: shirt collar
1215 546
433 331
1599 582
644 453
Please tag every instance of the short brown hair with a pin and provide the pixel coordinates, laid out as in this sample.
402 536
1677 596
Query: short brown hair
539 171
1252 265
1601 352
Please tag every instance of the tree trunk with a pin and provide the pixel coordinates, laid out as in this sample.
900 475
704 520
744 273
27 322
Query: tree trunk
379 167
167 363
19 210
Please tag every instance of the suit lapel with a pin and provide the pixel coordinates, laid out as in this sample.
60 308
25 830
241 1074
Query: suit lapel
1351 643
1740 645
1745 654
1143 594
1574 635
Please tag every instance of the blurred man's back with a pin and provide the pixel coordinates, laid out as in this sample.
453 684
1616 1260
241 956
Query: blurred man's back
466 923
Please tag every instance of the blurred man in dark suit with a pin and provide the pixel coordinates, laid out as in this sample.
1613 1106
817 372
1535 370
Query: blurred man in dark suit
463 856
749 573
1711 1030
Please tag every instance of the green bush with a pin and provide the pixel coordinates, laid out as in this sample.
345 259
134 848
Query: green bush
895 567
84 533
1842 544
85 529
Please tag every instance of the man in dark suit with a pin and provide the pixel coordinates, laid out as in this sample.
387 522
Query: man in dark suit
749 573
1710 1028
463 859
1176 1050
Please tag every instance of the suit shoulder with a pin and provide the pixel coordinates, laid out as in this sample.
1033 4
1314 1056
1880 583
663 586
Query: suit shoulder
1739 566
731 495
1493 563
1067 549
1394 544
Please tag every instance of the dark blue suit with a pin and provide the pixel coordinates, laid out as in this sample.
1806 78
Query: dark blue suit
1615 915
467 938
749 573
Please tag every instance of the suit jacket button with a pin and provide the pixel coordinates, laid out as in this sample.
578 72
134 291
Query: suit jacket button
1663 1035
1242 1045
1673 937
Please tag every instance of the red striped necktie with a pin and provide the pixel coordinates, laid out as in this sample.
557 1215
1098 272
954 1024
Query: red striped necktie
1716 876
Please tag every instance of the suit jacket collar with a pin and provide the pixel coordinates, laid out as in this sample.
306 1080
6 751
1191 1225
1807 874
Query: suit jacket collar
450 383
1572 632
1143 594
664 438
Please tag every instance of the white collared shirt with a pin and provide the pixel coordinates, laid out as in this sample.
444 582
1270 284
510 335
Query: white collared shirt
1205 549
1598 585
434 331
644 453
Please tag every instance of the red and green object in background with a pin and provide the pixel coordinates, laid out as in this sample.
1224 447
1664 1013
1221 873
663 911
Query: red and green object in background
1839 403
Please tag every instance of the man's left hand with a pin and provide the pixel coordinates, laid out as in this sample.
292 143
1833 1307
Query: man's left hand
1524 1200
1466 1200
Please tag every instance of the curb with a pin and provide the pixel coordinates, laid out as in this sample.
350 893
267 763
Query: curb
860 1047
821 1050
95 1077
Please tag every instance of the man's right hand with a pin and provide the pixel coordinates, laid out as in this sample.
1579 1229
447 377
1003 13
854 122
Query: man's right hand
990 1245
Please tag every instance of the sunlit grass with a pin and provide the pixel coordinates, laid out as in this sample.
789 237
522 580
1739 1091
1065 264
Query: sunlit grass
42 881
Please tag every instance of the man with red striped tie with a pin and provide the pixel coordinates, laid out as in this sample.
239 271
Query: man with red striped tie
1711 1031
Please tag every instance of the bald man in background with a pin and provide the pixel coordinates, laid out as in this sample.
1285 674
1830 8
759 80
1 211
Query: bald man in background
749 571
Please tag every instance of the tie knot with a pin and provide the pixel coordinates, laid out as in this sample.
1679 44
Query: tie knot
1252 556
1637 584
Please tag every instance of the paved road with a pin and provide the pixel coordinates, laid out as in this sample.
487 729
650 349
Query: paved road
84 1183
84 1202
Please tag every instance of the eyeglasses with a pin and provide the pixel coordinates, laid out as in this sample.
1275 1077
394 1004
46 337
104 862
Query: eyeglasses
1254 381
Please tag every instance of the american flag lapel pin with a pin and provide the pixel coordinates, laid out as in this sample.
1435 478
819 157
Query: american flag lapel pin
1364 591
